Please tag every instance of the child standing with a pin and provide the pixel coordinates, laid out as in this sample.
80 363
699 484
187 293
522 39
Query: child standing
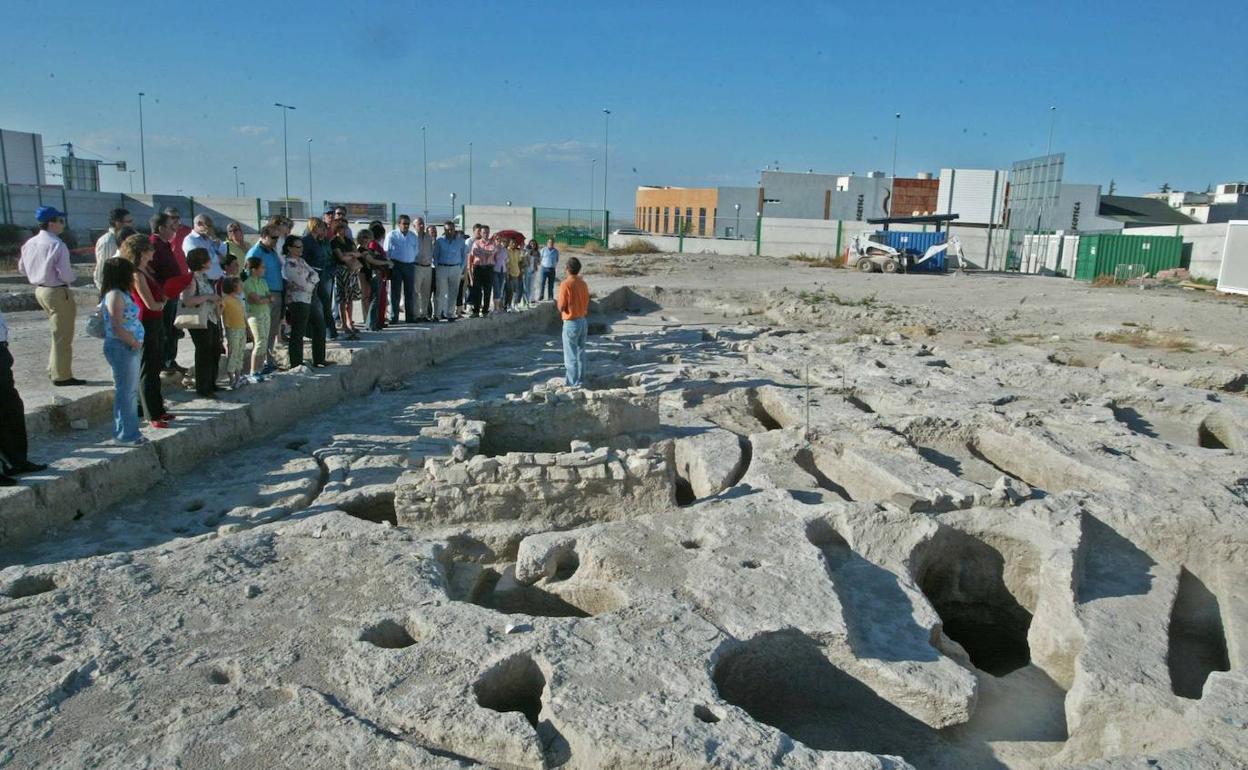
235 319
256 290
573 304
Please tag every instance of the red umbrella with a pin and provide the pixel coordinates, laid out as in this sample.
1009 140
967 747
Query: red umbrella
512 236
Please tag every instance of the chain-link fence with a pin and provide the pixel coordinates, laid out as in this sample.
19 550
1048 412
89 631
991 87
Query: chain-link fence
574 227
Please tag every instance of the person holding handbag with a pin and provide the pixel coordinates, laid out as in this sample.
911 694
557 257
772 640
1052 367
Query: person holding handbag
123 339
201 316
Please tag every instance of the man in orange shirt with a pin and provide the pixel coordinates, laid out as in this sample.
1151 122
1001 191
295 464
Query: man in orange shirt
573 303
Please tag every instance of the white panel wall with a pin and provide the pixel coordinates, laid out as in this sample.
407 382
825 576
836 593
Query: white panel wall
972 192
1233 276
23 158
499 218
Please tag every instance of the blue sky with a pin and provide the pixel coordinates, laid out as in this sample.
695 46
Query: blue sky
700 93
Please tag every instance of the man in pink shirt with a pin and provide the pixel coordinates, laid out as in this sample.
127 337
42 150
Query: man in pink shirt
45 263
481 254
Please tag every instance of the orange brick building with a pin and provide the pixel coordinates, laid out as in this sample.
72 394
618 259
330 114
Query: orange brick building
668 210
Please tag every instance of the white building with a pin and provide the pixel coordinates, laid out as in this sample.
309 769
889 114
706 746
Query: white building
1228 201
976 195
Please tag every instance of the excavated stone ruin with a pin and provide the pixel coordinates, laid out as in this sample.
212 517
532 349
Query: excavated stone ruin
739 548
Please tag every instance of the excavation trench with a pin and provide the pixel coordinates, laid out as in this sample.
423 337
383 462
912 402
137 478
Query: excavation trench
965 579
1197 639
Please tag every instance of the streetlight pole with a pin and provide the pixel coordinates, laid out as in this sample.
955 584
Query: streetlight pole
142 149
424 174
236 181
606 144
896 134
244 184
470 173
593 163
285 156
131 175
737 232
1048 150
452 205
310 207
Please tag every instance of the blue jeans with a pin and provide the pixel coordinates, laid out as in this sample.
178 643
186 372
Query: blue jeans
574 334
500 283
547 289
528 286
125 363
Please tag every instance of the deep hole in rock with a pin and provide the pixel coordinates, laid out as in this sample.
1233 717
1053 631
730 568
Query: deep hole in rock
964 579
859 404
1197 644
514 684
30 585
566 565
760 413
1214 433
835 549
218 676
750 564
806 461
690 545
783 679
487 587
387 634
684 492
704 714
378 508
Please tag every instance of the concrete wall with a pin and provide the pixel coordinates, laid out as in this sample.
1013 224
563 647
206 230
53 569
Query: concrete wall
968 192
727 219
1202 245
500 218
671 243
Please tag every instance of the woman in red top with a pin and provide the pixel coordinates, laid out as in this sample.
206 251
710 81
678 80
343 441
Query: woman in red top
380 263
150 298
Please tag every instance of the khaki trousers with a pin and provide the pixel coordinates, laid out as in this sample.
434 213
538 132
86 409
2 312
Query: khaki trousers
59 304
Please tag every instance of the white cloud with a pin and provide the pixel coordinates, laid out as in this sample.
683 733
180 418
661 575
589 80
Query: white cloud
446 164
168 140
251 130
567 151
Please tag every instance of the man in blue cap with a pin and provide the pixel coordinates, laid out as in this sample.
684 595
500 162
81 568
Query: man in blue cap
45 263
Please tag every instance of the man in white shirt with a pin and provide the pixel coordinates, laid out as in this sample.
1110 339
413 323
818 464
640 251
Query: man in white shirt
402 245
45 263
203 236
107 247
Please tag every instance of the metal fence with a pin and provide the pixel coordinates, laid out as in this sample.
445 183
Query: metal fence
575 227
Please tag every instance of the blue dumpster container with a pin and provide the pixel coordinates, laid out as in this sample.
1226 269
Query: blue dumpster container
917 244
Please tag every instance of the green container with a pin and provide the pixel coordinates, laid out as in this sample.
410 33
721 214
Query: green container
1102 254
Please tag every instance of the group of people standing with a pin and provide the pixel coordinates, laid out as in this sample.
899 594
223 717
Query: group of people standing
155 288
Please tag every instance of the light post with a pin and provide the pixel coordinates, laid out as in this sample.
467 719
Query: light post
896 134
310 209
142 149
244 185
1048 150
593 163
285 156
737 206
424 173
470 173
130 174
236 181
452 205
606 144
